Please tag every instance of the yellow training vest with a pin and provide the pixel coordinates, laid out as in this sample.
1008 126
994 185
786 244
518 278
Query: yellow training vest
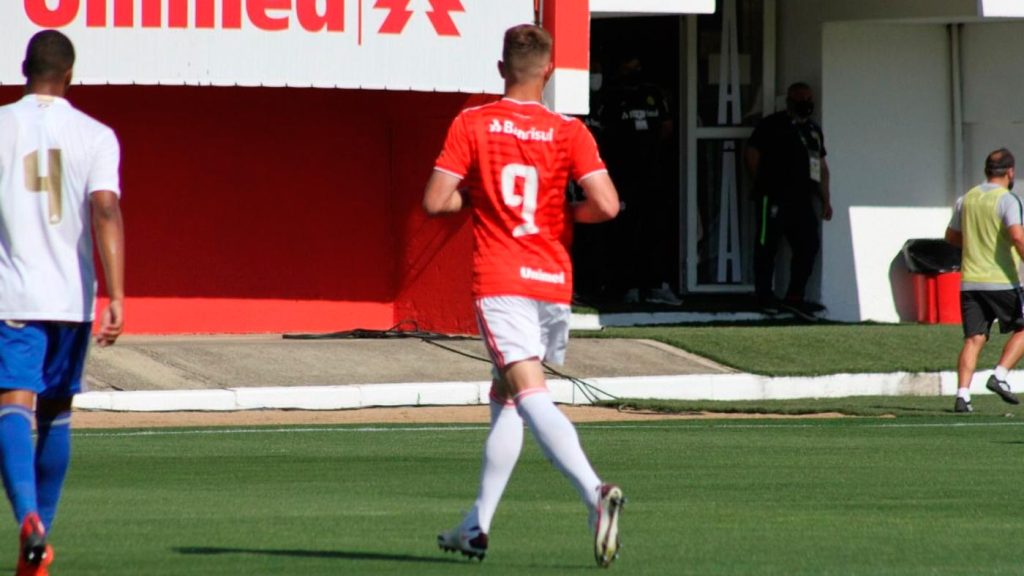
988 255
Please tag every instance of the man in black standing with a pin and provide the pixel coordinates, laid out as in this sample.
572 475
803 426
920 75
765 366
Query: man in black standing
786 155
636 132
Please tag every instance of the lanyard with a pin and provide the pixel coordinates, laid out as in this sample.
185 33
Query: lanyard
807 145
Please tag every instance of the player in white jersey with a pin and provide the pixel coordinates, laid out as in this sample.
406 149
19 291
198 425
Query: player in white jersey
58 178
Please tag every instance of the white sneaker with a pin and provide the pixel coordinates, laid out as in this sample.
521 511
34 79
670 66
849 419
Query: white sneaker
606 525
663 295
471 543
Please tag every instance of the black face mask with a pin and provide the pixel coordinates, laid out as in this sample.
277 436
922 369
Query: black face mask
803 108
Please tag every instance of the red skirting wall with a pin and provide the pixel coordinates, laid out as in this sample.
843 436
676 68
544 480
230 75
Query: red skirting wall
282 210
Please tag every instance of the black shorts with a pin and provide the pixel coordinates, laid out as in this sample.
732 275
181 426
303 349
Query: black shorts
980 308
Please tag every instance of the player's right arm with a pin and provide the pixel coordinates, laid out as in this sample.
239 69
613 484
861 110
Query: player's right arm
442 195
955 237
953 234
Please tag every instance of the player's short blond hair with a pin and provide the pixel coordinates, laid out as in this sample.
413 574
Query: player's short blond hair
527 52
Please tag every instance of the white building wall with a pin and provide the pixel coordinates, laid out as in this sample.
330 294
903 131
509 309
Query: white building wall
891 135
883 73
992 57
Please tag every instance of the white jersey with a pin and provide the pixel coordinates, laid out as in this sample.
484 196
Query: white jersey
52 157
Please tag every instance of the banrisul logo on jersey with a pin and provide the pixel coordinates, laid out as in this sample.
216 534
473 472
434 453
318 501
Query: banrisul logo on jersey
428 45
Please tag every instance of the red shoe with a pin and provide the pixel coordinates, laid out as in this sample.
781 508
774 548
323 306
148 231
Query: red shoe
36 555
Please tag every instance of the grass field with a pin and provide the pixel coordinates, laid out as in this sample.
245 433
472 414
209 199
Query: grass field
905 496
816 349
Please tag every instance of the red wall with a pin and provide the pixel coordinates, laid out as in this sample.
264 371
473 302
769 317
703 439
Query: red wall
272 210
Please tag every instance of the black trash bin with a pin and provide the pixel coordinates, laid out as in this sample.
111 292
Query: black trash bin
935 265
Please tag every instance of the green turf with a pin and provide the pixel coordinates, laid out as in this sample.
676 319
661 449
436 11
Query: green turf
864 406
933 495
811 350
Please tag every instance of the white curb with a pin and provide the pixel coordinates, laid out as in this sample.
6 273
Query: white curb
599 321
690 387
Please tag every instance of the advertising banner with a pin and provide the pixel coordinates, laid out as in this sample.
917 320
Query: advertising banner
423 45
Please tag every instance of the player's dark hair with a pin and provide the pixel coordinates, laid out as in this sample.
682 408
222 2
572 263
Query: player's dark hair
999 163
527 51
49 56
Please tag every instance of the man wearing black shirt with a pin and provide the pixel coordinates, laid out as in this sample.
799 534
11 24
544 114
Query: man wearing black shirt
786 155
637 126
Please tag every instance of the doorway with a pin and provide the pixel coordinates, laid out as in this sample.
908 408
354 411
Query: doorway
730 86
636 118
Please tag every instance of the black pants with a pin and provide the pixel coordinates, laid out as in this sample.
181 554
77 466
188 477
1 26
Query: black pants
798 224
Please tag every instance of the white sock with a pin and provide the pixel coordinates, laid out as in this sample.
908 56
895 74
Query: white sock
501 452
964 393
1001 373
559 442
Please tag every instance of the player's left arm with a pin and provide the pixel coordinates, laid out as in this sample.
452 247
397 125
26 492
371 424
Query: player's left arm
442 195
1017 237
601 202
600 198
108 228
104 186
1012 209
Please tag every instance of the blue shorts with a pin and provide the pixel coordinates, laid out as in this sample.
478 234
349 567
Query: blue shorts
47 358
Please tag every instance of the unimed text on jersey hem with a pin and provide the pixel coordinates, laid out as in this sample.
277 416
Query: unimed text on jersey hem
541 276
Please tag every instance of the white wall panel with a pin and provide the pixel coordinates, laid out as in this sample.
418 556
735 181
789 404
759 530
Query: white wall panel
887 113
993 108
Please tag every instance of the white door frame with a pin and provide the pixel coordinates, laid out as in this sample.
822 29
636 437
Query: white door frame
695 133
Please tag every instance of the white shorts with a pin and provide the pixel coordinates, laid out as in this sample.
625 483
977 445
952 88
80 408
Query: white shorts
516 329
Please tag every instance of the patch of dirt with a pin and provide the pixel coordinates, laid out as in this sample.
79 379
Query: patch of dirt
402 415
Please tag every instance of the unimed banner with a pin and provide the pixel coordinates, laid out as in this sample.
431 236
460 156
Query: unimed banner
427 45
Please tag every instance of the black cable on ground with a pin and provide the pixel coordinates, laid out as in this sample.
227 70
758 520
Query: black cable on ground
590 392
404 329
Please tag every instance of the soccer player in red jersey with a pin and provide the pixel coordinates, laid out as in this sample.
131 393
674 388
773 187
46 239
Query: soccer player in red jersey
514 159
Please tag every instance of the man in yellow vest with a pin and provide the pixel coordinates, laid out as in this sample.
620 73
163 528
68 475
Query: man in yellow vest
987 223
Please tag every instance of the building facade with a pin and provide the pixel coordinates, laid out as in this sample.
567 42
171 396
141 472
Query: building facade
274 159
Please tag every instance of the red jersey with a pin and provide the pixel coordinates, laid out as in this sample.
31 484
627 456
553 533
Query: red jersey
516 159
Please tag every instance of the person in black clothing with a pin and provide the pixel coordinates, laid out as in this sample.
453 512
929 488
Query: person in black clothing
636 125
786 155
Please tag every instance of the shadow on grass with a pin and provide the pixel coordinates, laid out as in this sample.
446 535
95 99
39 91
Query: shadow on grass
330 554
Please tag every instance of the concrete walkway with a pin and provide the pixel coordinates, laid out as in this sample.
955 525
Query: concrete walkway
220 373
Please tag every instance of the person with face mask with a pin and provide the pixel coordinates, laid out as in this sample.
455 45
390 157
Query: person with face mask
786 156
637 128
987 224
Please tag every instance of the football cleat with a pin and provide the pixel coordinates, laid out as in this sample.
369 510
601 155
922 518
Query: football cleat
1003 389
606 524
962 406
472 543
36 555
